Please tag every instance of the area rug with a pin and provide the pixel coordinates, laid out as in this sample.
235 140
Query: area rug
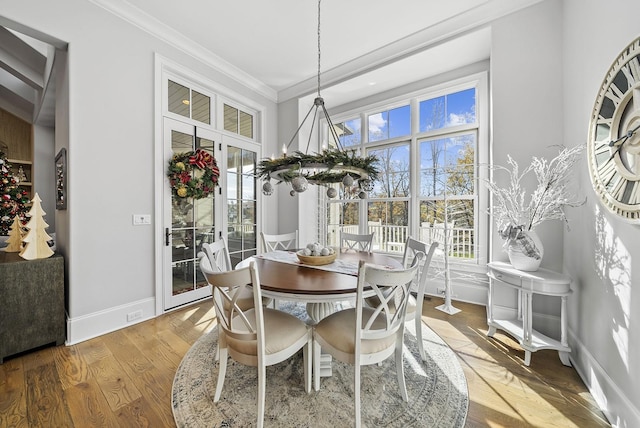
437 389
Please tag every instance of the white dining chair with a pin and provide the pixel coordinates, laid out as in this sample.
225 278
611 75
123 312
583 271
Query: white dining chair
213 258
357 242
412 248
218 254
364 335
283 241
258 336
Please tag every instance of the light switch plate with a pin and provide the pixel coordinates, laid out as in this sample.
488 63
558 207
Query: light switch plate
140 219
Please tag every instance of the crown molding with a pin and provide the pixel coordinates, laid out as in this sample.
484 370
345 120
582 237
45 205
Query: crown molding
430 37
140 19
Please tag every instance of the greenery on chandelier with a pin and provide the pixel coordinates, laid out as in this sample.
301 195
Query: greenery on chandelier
325 161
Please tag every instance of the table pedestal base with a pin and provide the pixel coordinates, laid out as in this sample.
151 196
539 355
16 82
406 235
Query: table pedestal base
317 311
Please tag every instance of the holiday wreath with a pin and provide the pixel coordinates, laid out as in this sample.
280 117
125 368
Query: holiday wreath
193 174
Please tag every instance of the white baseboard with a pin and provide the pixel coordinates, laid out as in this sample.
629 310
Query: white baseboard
619 410
96 324
468 290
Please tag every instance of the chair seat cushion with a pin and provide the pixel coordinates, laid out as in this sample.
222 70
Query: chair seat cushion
338 329
281 331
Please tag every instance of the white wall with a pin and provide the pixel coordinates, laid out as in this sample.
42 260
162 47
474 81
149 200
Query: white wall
526 86
110 133
286 217
43 174
602 253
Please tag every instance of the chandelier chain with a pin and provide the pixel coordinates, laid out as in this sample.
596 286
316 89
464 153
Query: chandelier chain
319 47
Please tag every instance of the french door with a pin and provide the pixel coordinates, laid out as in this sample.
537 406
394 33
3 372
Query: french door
241 198
231 212
188 222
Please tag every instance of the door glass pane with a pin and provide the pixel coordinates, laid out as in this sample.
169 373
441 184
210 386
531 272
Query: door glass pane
248 162
241 203
192 223
181 142
205 207
248 187
205 144
204 211
201 108
179 99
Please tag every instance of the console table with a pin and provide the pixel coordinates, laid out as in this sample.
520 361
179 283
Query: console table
542 281
33 304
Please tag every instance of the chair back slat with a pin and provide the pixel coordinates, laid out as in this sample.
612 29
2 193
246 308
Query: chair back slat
413 247
218 254
383 320
356 242
228 287
283 241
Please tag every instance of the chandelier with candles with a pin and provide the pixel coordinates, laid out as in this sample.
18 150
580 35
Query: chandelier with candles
332 165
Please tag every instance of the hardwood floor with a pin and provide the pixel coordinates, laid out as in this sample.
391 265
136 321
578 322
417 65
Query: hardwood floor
124 378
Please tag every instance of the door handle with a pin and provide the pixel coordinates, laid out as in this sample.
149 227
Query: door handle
166 236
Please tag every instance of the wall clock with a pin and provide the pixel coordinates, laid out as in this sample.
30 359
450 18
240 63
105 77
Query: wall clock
614 136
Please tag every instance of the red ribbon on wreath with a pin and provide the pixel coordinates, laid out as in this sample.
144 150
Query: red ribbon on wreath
201 159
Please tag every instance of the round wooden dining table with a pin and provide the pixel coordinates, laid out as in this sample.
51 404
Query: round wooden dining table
318 288
310 284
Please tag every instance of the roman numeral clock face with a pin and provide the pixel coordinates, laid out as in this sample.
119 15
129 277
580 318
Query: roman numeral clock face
614 136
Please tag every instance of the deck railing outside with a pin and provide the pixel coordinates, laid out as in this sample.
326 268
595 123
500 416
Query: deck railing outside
390 238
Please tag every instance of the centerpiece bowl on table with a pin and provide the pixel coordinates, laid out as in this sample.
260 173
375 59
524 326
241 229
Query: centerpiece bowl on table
316 255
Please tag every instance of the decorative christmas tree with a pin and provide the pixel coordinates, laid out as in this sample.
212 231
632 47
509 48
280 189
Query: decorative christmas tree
36 240
13 199
14 243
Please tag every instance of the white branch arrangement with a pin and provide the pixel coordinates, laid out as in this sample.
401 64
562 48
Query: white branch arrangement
514 212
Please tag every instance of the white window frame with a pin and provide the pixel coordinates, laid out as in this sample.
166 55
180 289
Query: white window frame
479 81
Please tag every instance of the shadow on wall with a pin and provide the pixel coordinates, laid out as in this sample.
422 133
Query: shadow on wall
612 261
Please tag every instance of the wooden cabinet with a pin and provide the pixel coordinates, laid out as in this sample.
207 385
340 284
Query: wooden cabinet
33 303
542 281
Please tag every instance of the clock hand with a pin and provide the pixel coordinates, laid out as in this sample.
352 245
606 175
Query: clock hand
618 148
620 141
623 138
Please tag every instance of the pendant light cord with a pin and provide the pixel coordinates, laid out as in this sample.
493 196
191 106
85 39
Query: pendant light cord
318 102
319 1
